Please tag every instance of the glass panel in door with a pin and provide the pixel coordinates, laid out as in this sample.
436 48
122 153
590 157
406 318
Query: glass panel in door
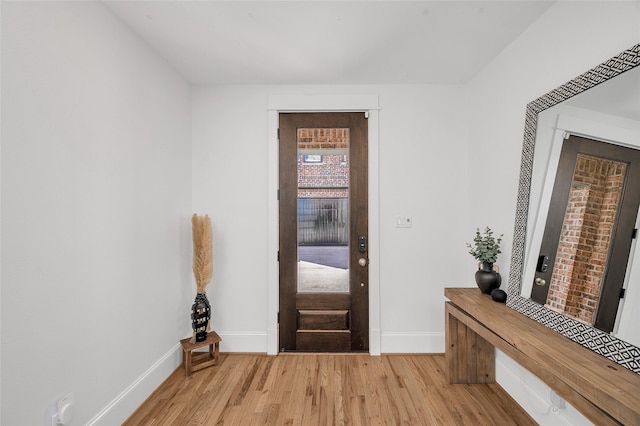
323 210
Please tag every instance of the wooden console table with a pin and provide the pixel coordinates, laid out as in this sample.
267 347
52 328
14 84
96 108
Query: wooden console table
603 391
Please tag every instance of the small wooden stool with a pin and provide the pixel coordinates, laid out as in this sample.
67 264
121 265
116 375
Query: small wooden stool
200 360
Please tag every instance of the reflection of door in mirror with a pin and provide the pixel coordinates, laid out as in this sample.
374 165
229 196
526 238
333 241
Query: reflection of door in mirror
589 230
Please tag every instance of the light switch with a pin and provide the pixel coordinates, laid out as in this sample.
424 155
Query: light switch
404 222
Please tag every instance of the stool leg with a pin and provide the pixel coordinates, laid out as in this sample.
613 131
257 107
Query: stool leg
216 355
187 363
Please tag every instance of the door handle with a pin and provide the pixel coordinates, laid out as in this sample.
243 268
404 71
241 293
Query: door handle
362 262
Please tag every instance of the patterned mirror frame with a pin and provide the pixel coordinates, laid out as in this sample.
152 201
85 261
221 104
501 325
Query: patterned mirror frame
616 350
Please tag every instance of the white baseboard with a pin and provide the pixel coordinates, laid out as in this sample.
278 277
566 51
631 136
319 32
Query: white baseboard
118 410
272 341
412 342
374 341
233 341
261 342
379 342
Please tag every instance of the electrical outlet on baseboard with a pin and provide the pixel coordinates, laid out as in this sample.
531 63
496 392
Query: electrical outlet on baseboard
557 402
64 416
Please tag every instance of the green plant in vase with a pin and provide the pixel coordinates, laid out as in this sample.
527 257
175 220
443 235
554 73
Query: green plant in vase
486 248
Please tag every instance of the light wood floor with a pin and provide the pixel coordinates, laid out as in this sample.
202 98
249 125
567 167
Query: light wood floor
326 389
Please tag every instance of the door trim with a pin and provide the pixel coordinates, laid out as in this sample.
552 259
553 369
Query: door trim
323 103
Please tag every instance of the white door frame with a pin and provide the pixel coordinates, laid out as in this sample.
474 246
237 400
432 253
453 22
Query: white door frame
323 103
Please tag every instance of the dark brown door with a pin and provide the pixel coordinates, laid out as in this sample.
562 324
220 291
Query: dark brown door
589 230
324 264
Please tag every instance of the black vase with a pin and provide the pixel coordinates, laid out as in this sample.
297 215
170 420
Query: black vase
200 316
486 278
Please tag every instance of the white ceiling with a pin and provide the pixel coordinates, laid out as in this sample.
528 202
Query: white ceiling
328 42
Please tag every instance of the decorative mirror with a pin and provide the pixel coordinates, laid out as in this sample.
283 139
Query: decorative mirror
581 108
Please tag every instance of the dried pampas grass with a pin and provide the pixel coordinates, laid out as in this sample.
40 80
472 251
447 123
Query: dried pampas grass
202 251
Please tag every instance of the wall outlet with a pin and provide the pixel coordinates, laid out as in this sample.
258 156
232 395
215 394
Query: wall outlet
404 222
64 416
557 402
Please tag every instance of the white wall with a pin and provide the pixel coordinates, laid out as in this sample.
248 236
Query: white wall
96 284
422 172
96 204
569 39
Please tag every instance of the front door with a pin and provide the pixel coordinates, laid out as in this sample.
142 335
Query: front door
590 226
323 219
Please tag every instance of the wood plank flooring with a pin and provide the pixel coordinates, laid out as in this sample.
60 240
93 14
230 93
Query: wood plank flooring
326 389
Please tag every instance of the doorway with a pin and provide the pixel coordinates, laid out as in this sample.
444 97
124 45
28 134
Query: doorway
323 232
589 231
